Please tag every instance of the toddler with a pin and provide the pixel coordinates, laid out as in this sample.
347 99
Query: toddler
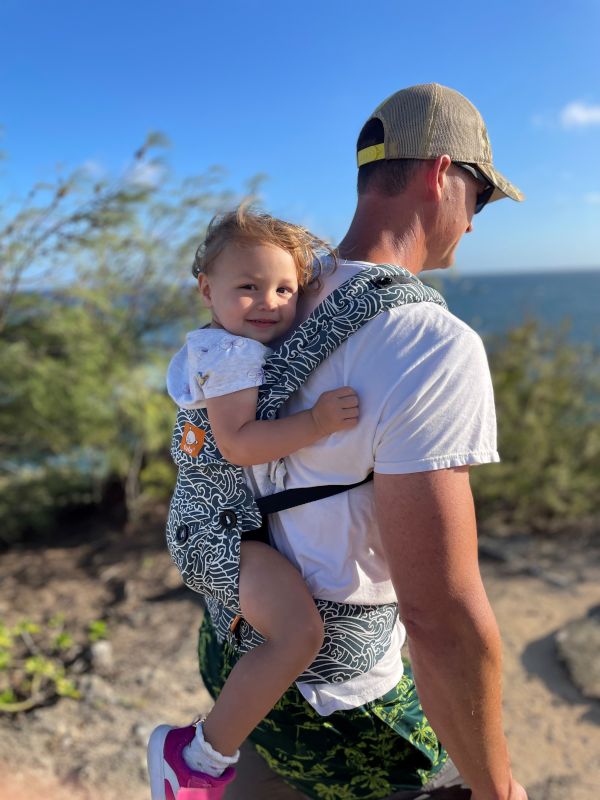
250 271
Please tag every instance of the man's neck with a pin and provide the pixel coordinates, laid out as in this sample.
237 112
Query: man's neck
383 234
385 251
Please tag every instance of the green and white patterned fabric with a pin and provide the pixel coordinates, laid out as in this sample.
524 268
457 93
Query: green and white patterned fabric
212 506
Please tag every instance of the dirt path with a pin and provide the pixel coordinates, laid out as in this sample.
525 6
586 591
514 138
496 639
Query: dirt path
553 731
94 748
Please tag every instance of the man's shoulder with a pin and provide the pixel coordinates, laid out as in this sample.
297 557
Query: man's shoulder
398 340
402 335
425 318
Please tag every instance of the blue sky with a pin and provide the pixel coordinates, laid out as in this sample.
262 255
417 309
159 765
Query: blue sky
284 87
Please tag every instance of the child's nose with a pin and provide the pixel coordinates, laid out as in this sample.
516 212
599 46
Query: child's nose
269 300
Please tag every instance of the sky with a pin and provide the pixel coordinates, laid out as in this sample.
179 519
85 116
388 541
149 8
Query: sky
283 88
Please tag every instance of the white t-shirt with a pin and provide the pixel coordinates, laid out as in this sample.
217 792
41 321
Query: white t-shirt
426 403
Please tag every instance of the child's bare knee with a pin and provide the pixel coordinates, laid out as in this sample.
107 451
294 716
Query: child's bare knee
310 633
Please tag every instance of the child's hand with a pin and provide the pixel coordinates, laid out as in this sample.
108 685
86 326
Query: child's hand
336 410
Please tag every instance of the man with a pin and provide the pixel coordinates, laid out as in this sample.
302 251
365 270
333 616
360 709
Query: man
425 169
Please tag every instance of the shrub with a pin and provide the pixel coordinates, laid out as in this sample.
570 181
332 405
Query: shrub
548 405
39 662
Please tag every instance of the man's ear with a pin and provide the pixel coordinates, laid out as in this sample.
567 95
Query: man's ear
436 176
204 289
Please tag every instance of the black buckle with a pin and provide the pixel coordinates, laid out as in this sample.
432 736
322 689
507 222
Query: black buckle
388 280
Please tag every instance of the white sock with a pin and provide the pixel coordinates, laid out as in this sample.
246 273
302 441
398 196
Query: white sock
201 757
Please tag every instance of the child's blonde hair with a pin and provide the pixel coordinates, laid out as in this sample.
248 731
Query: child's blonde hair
245 227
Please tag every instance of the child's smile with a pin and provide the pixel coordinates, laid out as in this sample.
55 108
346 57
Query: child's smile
252 291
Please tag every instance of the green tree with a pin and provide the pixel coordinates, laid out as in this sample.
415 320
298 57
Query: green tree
548 404
94 288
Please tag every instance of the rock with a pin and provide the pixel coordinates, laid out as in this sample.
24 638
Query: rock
144 676
558 579
578 645
136 618
79 666
552 577
102 657
95 689
492 549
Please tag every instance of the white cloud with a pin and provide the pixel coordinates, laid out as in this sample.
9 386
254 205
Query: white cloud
145 175
579 115
593 198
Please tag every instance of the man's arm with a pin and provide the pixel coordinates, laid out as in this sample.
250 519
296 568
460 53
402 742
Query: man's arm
428 530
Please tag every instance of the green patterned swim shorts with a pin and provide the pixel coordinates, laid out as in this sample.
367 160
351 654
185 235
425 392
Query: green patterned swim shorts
366 753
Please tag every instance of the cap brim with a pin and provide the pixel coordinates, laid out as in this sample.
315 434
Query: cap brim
504 188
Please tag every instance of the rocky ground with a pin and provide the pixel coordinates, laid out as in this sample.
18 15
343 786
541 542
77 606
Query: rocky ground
145 673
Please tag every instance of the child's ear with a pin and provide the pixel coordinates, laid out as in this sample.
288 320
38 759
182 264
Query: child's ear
204 289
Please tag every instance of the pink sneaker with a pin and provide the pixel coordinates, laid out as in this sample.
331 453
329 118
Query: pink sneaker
170 776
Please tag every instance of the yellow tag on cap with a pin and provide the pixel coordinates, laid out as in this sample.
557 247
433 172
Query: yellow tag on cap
192 439
376 152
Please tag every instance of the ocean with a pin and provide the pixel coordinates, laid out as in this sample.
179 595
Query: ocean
493 304
490 304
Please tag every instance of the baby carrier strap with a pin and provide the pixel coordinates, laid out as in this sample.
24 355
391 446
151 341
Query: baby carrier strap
211 495
361 298
357 301
356 636
290 498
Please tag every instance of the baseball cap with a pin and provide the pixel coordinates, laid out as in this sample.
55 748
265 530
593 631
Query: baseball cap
429 120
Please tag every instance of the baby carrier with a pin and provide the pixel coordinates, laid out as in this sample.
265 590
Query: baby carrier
212 507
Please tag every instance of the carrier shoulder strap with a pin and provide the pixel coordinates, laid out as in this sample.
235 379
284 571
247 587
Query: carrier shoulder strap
290 498
357 301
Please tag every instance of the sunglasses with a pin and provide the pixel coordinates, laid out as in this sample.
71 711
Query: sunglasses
483 196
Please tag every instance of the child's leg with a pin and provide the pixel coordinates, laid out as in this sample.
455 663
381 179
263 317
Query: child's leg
275 600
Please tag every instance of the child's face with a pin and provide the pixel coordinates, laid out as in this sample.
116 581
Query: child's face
252 291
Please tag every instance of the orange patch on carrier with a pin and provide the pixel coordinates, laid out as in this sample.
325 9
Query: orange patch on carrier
192 439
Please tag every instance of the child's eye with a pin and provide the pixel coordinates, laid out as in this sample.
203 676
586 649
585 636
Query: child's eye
249 286
284 290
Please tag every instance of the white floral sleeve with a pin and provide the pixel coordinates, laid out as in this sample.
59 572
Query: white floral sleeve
213 363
